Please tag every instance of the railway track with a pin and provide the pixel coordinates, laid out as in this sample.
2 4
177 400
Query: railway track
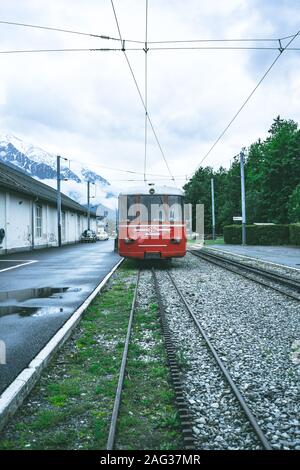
264 277
118 396
227 376
278 282
184 415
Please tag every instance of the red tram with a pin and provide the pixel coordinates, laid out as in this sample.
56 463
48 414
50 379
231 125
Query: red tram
151 223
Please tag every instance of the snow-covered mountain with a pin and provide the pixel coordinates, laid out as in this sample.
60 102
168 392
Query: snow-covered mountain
41 165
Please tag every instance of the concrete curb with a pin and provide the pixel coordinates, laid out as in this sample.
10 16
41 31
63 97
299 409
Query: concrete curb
12 398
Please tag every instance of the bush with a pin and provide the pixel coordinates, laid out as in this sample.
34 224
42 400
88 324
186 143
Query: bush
272 234
295 234
258 234
233 234
252 235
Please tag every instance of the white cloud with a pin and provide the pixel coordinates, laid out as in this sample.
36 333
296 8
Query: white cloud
85 105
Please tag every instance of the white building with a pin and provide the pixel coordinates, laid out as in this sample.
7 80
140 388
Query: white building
28 214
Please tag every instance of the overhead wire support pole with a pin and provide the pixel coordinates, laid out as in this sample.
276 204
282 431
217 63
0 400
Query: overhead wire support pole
146 93
58 199
88 204
58 194
243 197
213 209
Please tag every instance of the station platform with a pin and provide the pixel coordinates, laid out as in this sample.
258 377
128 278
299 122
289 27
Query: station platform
282 255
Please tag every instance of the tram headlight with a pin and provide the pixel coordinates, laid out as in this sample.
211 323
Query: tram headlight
176 241
128 241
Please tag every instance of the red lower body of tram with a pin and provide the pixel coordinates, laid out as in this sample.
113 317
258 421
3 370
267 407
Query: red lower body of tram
152 241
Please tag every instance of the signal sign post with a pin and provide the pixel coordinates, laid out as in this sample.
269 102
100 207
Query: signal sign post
213 209
243 198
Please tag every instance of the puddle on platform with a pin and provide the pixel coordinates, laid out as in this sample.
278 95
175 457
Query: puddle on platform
29 311
28 294
11 301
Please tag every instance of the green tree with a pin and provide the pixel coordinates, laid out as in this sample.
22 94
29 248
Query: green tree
272 176
197 191
294 205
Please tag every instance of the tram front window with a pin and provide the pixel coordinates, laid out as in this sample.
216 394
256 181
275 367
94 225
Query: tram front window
154 208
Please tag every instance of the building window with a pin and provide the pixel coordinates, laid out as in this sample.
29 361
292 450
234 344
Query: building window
38 221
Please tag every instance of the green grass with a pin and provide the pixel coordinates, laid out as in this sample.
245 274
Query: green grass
148 418
62 411
217 241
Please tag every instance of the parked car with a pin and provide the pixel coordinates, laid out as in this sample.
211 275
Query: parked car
88 236
102 235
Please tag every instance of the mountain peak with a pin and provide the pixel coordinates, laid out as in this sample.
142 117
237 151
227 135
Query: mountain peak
41 165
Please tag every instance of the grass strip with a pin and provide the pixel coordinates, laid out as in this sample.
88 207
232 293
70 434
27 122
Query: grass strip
70 407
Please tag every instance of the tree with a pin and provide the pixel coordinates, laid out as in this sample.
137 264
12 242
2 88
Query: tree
272 174
294 205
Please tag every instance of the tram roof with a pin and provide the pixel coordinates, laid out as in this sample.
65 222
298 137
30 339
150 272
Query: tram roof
159 190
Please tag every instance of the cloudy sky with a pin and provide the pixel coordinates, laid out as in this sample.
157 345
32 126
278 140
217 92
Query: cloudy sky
84 105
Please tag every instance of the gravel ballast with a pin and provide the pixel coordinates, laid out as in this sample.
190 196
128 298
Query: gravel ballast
256 331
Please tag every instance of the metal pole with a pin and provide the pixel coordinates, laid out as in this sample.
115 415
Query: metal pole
213 209
243 196
58 201
88 204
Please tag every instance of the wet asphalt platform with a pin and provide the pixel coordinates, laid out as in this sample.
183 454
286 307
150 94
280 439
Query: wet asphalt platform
39 291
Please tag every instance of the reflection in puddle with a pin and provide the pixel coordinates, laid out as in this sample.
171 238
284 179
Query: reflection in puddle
26 294
11 301
29 311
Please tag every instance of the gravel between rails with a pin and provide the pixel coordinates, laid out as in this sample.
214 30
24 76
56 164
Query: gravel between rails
219 422
257 333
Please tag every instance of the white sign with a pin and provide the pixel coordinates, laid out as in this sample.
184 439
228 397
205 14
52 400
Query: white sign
237 219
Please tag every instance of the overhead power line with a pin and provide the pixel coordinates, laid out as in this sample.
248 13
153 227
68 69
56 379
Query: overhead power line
248 98
29 51
106 37
122 170
105 49
220 48
69 31
140 95
221 40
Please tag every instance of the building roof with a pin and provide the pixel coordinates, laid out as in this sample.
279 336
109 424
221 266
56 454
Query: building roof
15 180
159 190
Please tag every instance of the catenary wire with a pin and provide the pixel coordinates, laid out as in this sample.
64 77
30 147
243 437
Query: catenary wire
103 36
220 48
69 31
248 98
28 51
140 95
221 40
121 170
156 48
104 49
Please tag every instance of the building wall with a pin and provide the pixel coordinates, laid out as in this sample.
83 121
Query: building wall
31 224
